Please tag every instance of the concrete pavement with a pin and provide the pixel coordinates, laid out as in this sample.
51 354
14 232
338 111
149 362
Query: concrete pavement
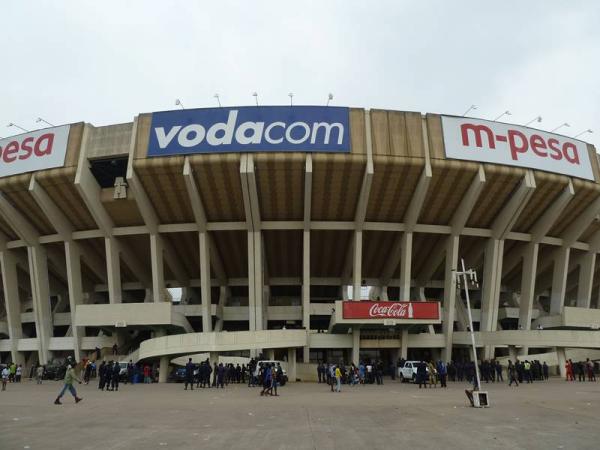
547 415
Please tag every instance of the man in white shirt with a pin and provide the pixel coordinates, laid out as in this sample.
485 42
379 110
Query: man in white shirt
5 373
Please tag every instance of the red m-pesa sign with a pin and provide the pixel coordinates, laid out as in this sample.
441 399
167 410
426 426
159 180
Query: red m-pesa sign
390 310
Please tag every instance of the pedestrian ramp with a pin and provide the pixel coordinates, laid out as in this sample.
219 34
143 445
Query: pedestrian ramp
192 343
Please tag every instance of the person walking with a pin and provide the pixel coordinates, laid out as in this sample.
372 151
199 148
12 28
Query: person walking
499 376
278 378
116 373
5 374
146 374
569 368
69 378
220 376
102 375
512 374
527 367
442 372
87 372
12 372
189 375
18 373
432 374
39 374
338 379
422 374
267 377
589 365
545 371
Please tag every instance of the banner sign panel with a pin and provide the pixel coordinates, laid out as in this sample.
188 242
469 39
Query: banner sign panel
390 310
250 129
36 150
513 145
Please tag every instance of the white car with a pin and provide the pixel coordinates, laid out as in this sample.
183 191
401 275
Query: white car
408 372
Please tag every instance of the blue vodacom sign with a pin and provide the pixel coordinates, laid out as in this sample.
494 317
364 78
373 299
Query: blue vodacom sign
250 129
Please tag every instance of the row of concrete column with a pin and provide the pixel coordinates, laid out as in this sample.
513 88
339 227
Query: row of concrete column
37 266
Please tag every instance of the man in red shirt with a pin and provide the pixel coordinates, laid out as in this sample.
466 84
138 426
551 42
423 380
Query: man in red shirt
146 374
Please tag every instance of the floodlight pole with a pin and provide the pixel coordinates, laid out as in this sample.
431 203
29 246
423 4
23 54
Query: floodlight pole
473 276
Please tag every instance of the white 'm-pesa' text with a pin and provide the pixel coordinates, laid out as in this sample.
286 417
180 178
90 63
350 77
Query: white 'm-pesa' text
224 133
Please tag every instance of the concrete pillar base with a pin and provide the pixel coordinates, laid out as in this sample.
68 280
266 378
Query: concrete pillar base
213 357
562 360
512 352
356 345
404 344
291 370
163 370
305 355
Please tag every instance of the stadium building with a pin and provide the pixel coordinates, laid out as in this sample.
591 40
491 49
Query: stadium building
271 223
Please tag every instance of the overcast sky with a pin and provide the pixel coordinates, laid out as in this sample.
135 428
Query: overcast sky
105 61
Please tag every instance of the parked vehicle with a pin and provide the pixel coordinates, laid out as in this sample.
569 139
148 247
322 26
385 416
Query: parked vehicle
408 372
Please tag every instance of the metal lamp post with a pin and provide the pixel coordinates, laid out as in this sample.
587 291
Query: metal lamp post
469 275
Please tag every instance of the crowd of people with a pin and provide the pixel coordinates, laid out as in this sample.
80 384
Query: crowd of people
581 369
269 375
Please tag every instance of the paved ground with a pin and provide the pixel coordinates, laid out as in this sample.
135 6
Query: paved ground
550 415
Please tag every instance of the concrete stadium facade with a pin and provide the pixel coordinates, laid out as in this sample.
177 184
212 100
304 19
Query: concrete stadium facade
264 246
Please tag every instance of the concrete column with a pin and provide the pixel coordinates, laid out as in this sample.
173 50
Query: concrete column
355 345
291 370
113 270
562 360
40 288
213 357
205 282
449 295
357 266
255 280
559 280
73 258
586 278
530 258
384 293
12 303
405 265
271 353
251 285
158 270
306 290
404 344
512 353
258 277
492 276
163 371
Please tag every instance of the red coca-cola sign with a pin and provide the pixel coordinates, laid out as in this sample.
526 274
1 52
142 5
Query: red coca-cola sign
390 310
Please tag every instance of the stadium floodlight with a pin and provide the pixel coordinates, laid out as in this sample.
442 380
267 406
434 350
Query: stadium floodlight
329 98
218 99
11 124
39 119
560 126
537 119
178 103
255 95
505 113
589 130
291 96
471 108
